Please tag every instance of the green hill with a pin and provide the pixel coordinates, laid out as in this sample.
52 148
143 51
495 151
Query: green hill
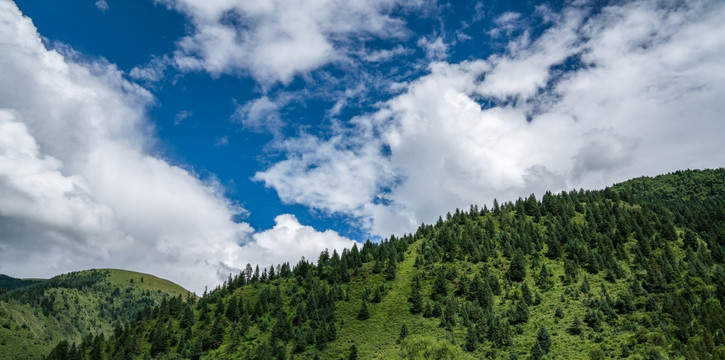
635 271
8 283
33 318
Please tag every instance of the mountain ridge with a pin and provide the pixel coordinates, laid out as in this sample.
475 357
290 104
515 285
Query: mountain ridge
631 271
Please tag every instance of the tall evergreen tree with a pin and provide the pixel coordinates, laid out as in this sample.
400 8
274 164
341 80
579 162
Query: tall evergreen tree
415 298
517 269
403 332
363 314
543 339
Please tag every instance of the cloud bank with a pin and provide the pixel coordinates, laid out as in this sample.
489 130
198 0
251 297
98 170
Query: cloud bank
601 96
81 185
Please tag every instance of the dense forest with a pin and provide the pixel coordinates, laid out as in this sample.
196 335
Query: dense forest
35 315
632 271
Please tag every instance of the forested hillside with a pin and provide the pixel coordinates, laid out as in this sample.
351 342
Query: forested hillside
8 283
633 271
34 317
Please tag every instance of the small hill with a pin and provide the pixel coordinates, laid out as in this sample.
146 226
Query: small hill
34 317
634 271
8 283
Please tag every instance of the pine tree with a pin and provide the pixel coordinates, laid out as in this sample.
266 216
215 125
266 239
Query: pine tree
282 329
377 296
576 327
544 279
439 284
520 313
390 270
517 269
471 338
300 342
352 353
363 314
448 319
415 298
187 318
593 318
543 339
585 286
537 352
232 312
403 332
690 240
526 294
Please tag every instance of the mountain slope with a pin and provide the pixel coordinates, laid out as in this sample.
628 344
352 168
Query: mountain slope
8 283
34 318
632 271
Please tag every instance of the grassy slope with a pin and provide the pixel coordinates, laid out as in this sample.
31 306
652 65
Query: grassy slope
377 337
26 332
146 282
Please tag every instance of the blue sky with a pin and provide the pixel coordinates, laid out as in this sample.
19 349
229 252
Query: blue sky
188 137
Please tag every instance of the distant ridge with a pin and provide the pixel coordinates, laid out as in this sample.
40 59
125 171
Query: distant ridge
38 314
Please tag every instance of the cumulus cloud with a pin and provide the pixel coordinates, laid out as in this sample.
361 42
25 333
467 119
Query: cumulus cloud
275 40
634 89
80 187
288 239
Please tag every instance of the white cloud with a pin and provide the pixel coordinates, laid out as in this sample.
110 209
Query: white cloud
435 49
152 71
507 18
276 40
261 115
80 189
384 55
288 239
102 5
642 96
181 116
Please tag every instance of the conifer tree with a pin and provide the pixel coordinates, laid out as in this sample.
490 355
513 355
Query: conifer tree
403 332
593 318
187 318
471 338
576 327
517 269
544 278
363 314
585 285
377 296
526 294
232 312
439 284
543 339
415 298
520 313
282 329
352 353
390 270
537 352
